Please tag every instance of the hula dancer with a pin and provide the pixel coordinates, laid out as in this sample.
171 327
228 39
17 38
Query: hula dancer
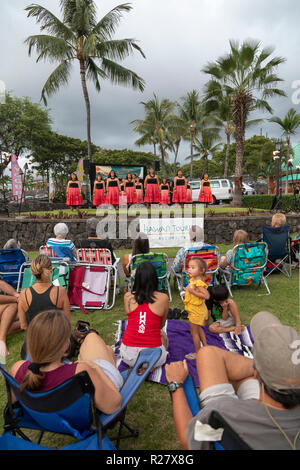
139 195
164 192
180 183
151 188
99 191
130 189
205 195
74 197
112 189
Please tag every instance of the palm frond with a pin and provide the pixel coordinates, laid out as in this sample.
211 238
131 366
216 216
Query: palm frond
49 47
50 22
118 49
93 72
59 77
122 76
107 26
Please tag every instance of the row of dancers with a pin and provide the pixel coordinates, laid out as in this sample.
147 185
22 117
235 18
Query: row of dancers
132 190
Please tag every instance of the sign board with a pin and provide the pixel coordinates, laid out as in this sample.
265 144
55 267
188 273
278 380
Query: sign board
169 233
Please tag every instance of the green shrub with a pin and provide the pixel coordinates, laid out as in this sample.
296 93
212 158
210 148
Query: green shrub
265 201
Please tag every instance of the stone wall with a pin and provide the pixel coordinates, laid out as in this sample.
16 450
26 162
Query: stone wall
32 233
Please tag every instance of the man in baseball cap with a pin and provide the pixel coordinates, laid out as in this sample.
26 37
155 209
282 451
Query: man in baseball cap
259 398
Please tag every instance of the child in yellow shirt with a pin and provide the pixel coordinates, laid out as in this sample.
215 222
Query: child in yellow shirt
194 302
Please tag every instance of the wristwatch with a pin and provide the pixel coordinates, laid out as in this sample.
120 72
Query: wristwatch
173 386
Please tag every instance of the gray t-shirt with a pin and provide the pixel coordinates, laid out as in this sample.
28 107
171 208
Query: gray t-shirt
251 422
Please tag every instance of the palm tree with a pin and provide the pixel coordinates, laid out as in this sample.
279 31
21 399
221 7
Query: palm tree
79 36
190 111
159 122
207 144
245 75
289 125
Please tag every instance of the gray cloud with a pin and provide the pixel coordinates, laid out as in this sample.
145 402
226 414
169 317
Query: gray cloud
178 38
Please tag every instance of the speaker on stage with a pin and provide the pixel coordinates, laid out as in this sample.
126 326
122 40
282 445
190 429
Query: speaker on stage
156 165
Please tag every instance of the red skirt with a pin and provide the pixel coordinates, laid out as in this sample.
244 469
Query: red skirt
123 199
189 195
164 196
130 194
99 197
113 196
180 194
139 196
74 197
206 195
152 194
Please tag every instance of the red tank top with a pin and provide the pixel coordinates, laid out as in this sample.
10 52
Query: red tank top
52 378
143 328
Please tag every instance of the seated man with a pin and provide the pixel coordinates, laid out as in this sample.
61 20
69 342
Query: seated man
61 246
259 398
94 241
196 240
9 323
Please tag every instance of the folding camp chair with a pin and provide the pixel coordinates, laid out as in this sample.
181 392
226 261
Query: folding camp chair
63 252
160 262
11 265
59 276
101 256
295 249
230 439
247 266
279 249
209 253
69 409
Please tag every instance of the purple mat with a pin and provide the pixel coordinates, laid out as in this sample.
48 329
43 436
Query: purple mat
181 343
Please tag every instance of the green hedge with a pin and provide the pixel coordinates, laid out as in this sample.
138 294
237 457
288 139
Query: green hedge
265 201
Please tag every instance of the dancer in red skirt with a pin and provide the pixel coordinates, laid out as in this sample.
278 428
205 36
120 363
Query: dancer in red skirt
130 189
112 189
139 195
164 192
123 198
151 188
189 194
74 197
180 183
205 195
99 191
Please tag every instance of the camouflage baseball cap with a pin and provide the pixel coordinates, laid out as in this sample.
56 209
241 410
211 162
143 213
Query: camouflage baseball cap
276 352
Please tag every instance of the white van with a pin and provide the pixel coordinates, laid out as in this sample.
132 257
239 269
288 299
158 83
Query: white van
221 190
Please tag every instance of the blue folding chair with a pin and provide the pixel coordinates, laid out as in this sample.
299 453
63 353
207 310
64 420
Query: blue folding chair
11 265
69 409
279 249
230 439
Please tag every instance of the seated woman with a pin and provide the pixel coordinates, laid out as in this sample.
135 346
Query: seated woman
60 244
140 246
147 311
41 296
48 340
239 237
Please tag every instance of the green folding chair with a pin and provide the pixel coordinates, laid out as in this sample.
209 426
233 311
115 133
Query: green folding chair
160 263
59 277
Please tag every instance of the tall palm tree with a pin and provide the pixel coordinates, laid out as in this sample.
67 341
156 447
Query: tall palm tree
78 36
190 111
160 120
289 125
248 75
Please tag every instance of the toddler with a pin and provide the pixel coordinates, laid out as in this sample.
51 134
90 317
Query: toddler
224 311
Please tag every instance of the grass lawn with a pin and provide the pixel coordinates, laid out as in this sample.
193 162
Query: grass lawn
150 410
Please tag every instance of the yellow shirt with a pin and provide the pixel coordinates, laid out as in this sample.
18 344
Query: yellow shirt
194 305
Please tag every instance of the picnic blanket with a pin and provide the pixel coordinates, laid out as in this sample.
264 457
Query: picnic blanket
181 344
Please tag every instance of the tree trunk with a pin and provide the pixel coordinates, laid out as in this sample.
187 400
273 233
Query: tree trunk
163 163
238 175
287 166
227 155
88 107
176 154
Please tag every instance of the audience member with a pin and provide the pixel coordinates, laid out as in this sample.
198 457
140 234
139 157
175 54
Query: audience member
60 244
12 244
239 237
278 220
48 341
196 240
147 311
43 295
140 246
9 323
259 398
93 239
224 311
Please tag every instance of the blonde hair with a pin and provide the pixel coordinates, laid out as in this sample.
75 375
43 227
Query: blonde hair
41 267
278 219
46 335
240 236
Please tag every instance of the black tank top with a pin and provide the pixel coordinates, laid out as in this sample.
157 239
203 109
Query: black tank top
206 183
73 185
112 184
180 182
40 302
138 186
152 181
99 185
129 184
164 187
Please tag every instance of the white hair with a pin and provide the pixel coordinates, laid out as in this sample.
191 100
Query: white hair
11 244
61 230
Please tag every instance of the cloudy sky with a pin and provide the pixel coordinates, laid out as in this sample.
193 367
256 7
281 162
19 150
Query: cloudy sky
178 38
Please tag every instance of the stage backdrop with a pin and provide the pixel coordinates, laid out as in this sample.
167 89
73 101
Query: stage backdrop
169 232
121 171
